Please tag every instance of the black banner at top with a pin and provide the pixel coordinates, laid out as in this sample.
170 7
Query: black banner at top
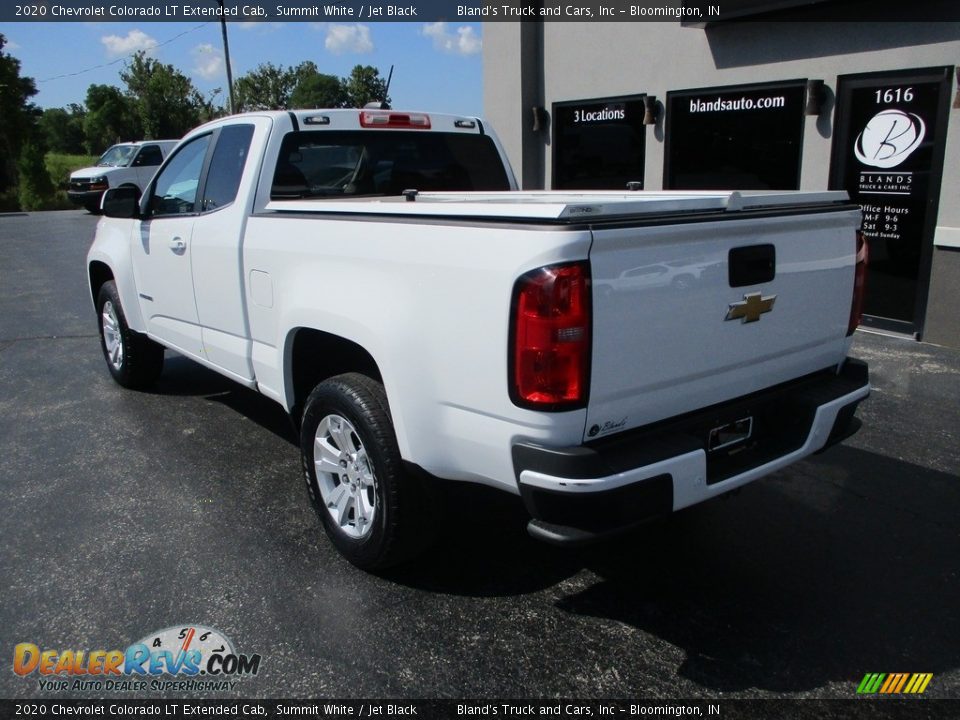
693 13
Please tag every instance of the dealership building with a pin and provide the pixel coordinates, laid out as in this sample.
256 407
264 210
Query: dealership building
781 96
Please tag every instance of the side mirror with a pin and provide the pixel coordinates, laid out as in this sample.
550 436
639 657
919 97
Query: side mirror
122 202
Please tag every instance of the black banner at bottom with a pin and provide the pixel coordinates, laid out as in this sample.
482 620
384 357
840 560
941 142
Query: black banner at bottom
854 709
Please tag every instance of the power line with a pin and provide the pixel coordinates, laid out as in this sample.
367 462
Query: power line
125 57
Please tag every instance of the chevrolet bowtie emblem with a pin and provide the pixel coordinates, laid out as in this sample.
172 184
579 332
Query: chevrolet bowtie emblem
751 307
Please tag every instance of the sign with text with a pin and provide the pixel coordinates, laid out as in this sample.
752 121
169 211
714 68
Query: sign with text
888 155
747 137
598 144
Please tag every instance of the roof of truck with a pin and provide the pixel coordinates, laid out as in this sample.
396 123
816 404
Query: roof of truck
367 119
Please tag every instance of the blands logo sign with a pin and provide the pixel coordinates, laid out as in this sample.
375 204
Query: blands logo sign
894 683
889 138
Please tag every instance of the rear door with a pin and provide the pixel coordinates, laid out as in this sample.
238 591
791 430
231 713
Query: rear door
225 203
691 314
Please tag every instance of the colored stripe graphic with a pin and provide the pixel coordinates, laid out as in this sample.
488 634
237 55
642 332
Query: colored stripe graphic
894 683
871 683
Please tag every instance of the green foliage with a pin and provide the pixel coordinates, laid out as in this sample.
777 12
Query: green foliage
111 118
364 86
16 114
59 166
62 128
208 110
36 190
266 87
9 202
274 87
318 90
166 102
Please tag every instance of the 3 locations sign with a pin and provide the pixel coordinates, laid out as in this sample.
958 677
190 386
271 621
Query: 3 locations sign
888 155
598 144
747 137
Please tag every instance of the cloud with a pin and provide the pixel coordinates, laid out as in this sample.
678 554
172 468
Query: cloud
348 39
464 41
134 41
207 61
10 45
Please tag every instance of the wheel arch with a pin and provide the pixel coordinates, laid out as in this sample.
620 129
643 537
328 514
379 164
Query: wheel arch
312 356
98 273
109 258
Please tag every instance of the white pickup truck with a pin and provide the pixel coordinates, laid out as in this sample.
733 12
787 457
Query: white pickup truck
607 357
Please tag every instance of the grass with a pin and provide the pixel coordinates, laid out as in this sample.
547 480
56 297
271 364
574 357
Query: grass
60 165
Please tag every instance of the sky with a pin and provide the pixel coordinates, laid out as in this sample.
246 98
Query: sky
438 66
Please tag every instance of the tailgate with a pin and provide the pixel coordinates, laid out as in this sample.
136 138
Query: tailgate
662 343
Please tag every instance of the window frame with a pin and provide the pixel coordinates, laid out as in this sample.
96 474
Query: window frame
145 209
142 151
214 135
215 143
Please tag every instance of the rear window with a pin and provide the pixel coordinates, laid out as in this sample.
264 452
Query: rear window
384 162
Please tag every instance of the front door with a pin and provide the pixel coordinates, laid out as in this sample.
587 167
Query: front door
161 251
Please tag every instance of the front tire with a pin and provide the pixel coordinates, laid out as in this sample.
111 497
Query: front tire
371 510
134 360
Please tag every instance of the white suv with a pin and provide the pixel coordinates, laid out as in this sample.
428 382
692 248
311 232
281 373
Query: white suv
130 164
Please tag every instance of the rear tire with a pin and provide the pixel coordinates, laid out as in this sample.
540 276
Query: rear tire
371 509
134 360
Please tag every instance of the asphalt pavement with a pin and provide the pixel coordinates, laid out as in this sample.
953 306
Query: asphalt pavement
125 513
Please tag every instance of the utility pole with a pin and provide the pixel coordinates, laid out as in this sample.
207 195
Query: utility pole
226 55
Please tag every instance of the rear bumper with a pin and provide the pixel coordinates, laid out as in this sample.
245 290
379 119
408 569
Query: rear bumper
578 494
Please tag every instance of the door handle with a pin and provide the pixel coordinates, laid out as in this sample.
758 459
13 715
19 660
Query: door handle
178 245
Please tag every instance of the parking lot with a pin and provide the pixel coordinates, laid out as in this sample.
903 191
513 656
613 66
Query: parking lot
125 513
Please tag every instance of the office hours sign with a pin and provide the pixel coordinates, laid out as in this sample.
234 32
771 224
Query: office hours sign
888 155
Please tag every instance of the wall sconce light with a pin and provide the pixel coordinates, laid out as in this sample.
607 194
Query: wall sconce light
816 95
540 119
651 109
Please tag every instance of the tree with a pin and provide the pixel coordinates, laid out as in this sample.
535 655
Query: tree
167 103
16 115
111 118
364 86
210 110
62 128
317 90
35 188
266 87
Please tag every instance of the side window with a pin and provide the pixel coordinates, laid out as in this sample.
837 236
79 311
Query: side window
149 155
226 166
175 190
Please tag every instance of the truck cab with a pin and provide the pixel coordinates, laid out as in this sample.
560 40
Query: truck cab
125 164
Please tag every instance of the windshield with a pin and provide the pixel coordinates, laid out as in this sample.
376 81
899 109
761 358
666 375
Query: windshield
382 162
117 156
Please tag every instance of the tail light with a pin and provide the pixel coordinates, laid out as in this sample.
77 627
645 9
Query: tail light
859 283
375 119
550 332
